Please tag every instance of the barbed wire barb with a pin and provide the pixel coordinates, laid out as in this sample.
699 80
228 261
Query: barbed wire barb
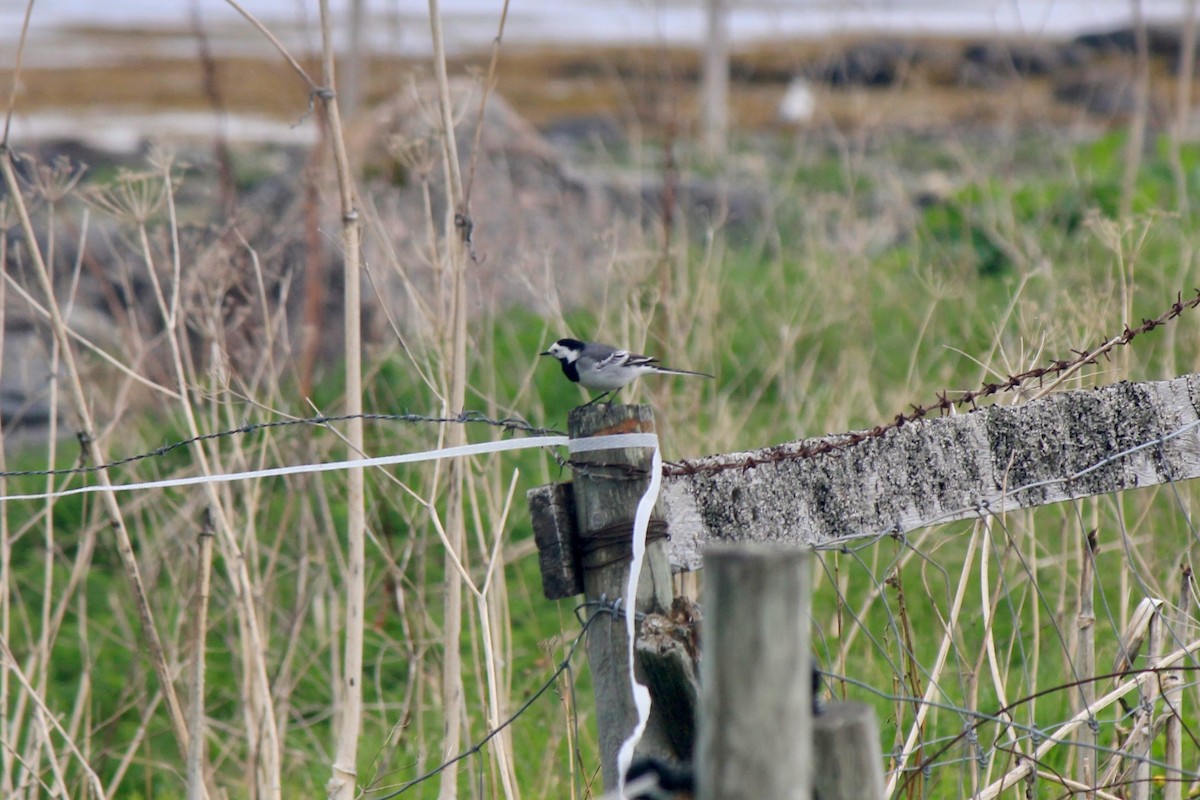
1059 368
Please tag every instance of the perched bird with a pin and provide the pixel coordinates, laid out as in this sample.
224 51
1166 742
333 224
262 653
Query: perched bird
605 368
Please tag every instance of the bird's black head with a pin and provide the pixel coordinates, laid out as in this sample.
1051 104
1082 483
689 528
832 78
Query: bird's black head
565 350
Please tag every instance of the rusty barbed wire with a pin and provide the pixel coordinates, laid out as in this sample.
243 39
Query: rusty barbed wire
946 402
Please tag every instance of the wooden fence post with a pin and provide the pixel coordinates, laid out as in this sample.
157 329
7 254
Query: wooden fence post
755 688
846 746
607 487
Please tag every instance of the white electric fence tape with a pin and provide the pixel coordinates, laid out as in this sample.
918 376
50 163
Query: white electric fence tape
329 466
641 695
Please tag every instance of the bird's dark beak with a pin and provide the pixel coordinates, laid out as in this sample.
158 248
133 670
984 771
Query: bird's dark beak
544 353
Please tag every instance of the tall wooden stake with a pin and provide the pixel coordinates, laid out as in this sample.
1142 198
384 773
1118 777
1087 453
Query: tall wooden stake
607 490
756 683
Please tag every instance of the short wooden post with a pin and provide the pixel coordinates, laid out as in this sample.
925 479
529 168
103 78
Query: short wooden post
607 487
846 746
756 683
666 651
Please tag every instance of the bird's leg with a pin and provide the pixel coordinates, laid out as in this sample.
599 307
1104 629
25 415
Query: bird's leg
597 399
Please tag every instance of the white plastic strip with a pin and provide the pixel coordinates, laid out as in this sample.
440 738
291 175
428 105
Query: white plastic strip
641 695
596 443
613 442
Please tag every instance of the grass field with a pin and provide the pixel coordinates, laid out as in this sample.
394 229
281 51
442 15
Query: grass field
859 292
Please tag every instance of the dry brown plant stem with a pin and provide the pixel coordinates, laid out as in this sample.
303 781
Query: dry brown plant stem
343 782
16 82
488 82
1183 108
1065 731
1173 697
283 51
49 718
988 605
950 625
87 344
261 735
6 755
455 342
195 758
1085 655
1141 99
97 455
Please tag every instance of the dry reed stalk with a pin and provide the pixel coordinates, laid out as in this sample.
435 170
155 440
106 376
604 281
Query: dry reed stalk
261 736
1179 127
195 758
1063 732
96 453
6 589
950 626
454 344
1131 763
490 637
80 728
56 767
283 51
1172 683
134 744
49 718
39 658
1140 116
1074 787
1151 723
53 183
1085 656
344 779
988 606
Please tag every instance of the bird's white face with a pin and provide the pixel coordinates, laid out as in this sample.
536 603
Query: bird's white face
561 351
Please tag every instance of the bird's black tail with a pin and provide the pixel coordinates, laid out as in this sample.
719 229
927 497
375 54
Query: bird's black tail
671 371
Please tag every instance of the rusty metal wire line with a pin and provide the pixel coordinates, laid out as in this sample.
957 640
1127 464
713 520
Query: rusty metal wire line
945 403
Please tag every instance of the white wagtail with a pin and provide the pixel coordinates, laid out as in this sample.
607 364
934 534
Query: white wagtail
605 368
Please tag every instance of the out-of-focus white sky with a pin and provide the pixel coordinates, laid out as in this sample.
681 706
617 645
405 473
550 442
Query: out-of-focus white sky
401 26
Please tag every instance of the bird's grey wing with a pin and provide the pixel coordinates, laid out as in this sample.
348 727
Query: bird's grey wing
637 360
614 359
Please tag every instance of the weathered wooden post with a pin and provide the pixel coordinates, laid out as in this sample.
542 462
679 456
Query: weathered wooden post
592 553
756 685
847 757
